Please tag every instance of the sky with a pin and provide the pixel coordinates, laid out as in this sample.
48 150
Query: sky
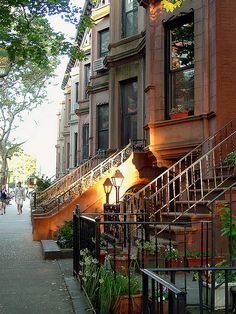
39 129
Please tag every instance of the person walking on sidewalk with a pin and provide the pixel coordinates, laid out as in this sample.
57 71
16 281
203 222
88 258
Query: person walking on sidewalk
19 197
3 198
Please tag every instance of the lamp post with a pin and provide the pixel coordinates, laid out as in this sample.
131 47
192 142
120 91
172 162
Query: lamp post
5 63
117 180
107 185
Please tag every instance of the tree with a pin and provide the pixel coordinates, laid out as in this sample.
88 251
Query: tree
22 90
21 166
27 35
170 5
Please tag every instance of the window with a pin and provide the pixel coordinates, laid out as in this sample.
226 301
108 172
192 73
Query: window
129 111
85 152
68 156
86 79
103 126
75 148
77 92
180 63
130 17
104 42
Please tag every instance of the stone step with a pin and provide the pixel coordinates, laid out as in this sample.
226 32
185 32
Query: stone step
51 250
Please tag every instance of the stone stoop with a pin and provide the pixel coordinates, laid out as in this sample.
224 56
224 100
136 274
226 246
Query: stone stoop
51 250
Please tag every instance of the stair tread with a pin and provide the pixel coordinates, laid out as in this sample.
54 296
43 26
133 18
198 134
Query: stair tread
186 214
203 202
173 227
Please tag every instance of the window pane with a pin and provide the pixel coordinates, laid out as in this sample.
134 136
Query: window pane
129 111
183 89
103 140
130 18
130 5
182 45
103 125
86 79
85 141
104 42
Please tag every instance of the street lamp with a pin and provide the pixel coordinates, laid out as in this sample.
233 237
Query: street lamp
117 180
107 185
5 63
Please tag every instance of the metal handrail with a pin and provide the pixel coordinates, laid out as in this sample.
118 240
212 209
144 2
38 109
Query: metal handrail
64 182
88 179
183 178
183 161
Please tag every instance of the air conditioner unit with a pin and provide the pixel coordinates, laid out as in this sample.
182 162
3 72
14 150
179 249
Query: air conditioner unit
98 65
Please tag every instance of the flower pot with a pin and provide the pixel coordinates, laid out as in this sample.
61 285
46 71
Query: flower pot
196 261
135 304
121 264
179 115
219 295
174 263
155 306
148 259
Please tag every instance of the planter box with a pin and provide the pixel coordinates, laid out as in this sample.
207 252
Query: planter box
179 115
136 304
196 261
219 295
174 263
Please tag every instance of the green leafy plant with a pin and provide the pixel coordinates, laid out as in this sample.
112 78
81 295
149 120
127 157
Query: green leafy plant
101 280
220 274
149 246
226 228
178 108
64 235
171 252
230 159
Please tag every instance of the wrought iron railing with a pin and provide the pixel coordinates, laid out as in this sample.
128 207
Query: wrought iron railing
66 181
119 238
189 189
81 185
193 175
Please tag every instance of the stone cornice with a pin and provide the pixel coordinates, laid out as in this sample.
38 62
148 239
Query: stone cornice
99 13
136 51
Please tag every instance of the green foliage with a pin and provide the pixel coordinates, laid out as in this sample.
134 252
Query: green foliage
178 108
230 159
220 274
170 5
226 227
147 246
42 183
171 252
65 235
27 34
101 280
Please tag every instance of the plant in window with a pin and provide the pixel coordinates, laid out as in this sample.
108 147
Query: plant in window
179 111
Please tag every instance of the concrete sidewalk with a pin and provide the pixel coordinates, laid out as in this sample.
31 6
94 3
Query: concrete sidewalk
30 284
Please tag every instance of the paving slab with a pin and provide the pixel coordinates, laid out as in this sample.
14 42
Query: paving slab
29 284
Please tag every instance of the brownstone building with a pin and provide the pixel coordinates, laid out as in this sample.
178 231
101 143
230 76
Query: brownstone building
156 62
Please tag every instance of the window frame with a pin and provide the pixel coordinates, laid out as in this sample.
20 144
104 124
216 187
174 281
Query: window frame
103 54
85 146
168 26
124 20
99 131
124 111
87 70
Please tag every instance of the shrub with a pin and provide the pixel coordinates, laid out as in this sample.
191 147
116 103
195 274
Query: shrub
64 235
230 159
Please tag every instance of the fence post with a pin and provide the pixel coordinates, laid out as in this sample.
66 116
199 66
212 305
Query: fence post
145 294
97 238
76 240
146 219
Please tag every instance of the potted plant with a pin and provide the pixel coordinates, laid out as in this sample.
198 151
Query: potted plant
172 257
147 251
109 289
178 112
198 258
